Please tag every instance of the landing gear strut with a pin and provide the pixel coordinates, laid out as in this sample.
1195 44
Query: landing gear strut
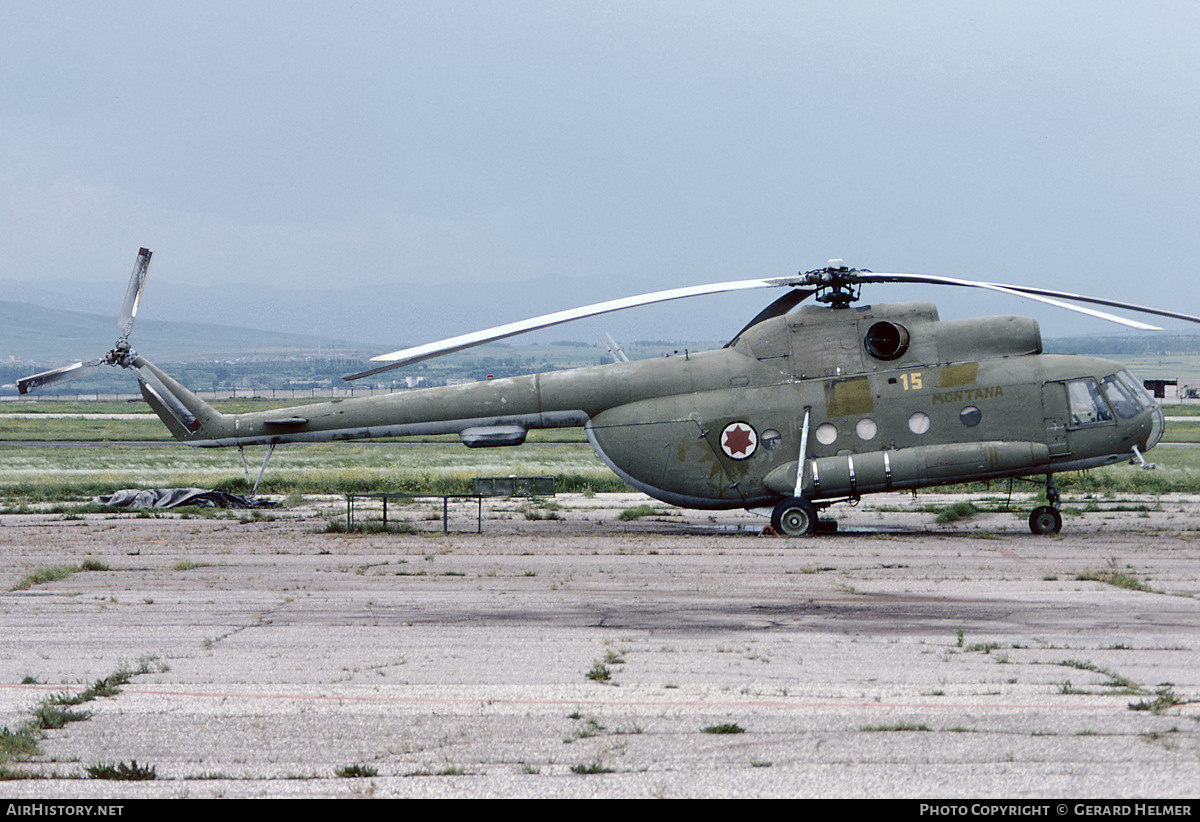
1046 519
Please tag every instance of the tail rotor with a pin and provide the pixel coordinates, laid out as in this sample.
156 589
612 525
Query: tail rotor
121 354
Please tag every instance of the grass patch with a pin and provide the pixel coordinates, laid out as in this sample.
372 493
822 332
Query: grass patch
1164 699
899 726
724 728
56 475
187 565
600 673
956 512
1118 579
372 526
637 512
51 717
58 710
590 728
19 744
43 574
1116 682
356 771
133 772
593 767
53 573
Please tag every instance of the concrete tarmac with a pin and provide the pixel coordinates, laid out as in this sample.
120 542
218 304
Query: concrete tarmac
566 653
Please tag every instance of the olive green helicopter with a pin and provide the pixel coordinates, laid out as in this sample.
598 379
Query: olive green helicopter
800 410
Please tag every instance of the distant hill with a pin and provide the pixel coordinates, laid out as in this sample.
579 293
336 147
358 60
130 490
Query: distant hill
388 317
209 356
1118 345
34 334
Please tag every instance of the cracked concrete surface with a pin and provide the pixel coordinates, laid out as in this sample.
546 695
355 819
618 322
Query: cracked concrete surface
895 658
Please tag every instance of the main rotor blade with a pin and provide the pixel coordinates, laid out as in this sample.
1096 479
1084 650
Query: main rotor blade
133 294
1142 309
1040 295
781 306
407 356
67 372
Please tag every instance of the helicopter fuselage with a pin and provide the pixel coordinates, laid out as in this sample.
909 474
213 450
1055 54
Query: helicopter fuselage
854 400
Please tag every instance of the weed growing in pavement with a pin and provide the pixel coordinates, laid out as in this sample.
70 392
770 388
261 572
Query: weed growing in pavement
120 771
724 728
600 673
955 512
593 767
637 512
1164 698
356 771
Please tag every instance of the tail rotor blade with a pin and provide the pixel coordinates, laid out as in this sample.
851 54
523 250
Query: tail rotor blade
167 398
67 372
133 295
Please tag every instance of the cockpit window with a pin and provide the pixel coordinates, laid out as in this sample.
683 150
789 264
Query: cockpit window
1087 405
1137 388
1122 398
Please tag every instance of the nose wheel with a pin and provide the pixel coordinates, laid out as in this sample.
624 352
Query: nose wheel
1046 519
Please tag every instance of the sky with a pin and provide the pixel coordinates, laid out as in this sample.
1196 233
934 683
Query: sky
400 171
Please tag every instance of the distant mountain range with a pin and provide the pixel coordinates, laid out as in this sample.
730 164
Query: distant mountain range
382 317
35 334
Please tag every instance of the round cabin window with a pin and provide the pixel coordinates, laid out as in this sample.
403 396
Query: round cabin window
918 423
826 433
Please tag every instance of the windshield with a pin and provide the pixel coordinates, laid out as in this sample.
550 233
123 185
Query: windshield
1123 398
1137 388
1144 400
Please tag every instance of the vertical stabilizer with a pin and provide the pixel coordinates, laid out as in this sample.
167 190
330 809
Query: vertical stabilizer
186 416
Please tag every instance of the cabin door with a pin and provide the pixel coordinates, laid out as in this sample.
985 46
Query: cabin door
1055 415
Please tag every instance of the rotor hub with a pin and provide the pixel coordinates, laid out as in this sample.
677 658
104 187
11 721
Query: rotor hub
836 283
121 354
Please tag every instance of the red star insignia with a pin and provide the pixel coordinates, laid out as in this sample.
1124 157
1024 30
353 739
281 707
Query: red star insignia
738 439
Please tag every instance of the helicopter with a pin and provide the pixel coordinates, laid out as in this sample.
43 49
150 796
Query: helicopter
807 406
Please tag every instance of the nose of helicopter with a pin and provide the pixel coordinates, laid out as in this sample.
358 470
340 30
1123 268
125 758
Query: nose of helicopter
1157 426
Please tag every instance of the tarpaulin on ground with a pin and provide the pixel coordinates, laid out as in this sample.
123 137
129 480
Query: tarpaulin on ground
175 497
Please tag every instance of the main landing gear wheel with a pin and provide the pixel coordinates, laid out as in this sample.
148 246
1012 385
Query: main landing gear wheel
794 517
1045 520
